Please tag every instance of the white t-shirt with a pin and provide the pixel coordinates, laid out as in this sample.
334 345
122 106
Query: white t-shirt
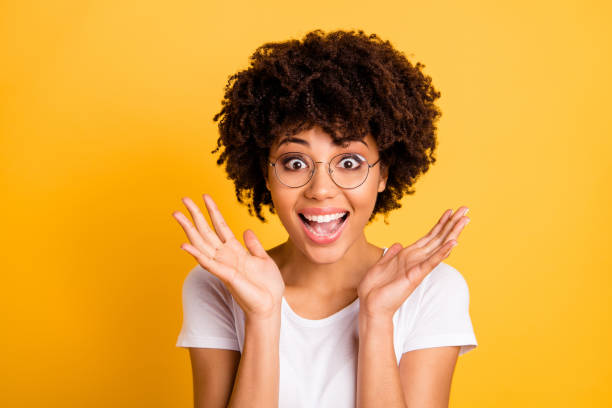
318 358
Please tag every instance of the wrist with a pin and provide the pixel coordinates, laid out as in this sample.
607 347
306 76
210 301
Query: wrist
270 317
262 331
258 321
375 323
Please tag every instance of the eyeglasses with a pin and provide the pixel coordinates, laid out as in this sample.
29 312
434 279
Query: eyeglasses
347 170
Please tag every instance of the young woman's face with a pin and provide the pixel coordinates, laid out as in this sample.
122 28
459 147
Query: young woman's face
323 220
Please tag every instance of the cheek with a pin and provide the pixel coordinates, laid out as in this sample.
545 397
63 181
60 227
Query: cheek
279 199
284 201
364 200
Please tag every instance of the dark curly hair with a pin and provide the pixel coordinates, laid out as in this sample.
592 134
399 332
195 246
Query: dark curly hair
347 83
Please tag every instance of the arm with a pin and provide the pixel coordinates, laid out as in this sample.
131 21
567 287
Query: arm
254 280
378 377
254 376
213 372
382 291
423 379
257 379
426 376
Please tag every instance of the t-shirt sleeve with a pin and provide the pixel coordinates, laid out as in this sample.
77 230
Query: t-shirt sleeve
208 318
442 317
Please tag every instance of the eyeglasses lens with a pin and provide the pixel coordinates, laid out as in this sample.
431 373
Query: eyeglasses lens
348 170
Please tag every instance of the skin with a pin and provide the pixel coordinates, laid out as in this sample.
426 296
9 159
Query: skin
324 271
321 279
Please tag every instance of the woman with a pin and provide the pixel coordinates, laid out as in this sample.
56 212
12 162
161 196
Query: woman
327 133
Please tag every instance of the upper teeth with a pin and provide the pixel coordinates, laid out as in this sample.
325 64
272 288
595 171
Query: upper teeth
324 218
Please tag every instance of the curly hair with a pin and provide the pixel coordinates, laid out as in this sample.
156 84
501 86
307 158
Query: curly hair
347 83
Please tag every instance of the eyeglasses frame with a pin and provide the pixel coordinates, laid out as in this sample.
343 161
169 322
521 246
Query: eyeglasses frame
314 169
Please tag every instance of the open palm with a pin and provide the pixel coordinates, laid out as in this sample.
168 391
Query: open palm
397 274
252 276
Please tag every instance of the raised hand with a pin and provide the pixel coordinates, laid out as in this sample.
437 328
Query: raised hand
252 277
397 274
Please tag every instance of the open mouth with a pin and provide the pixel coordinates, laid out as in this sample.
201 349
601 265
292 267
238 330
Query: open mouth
324 225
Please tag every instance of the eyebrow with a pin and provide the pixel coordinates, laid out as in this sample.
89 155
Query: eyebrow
305 143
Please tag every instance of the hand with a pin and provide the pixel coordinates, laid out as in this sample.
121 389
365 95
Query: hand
252 277
397 274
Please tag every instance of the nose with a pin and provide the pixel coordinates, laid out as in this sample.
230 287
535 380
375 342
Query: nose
321 186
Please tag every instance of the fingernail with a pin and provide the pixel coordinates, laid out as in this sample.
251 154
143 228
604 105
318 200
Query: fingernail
466 211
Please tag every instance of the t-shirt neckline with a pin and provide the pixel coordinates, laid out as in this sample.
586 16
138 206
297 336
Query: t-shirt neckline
326 320
319 322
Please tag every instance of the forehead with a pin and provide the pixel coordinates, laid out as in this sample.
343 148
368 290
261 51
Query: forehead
317 138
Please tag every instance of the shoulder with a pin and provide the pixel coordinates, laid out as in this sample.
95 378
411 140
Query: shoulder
444 286
199 283
208 313
445 277
201 276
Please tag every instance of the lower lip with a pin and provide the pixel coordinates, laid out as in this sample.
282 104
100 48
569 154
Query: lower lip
324 239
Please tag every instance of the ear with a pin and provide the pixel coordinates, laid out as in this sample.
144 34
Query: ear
382 181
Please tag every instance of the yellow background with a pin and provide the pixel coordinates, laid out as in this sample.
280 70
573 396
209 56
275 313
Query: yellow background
106 122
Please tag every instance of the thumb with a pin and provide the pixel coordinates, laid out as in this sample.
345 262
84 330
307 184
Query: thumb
391 252
253 244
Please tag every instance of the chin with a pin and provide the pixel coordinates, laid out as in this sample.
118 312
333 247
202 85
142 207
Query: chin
324 255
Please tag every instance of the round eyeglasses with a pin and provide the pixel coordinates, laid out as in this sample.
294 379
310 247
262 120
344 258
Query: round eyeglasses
347 170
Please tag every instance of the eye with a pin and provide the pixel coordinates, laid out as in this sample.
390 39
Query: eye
294 163
351 162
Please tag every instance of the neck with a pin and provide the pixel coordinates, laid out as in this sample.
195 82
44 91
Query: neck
300 271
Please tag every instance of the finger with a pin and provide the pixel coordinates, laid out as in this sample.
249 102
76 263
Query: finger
434 243
253 244
434 231
440 254
218 269
415 275
390 253
201 224
221 227
193 234
454 234
459 214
